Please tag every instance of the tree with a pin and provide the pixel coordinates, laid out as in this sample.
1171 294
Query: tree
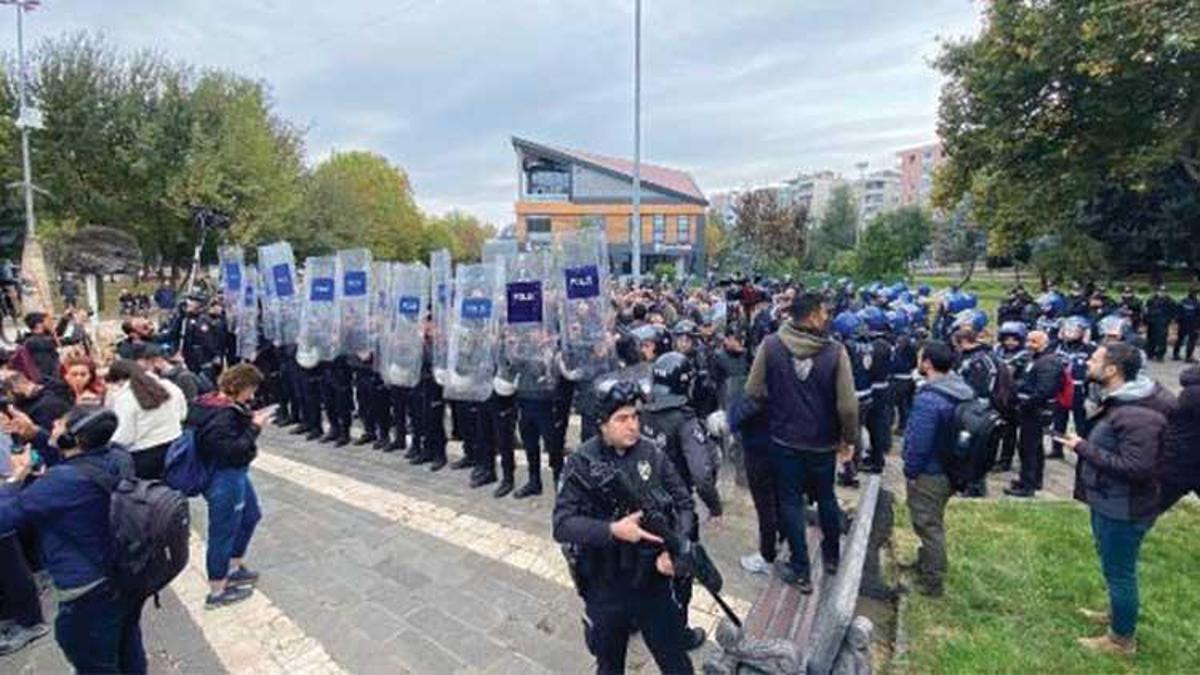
1069 256
958 240
714 238
358 199
775 230
836 231
467 234
1057 104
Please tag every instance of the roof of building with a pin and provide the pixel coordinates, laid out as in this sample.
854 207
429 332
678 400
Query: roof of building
670 180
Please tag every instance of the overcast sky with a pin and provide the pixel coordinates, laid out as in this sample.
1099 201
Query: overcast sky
738 92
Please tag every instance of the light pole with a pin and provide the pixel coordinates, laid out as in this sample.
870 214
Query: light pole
636 226
862 202
26 117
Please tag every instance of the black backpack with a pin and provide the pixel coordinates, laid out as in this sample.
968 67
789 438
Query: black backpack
971 450
149 523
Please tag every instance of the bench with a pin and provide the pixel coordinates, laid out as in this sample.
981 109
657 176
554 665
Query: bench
789 633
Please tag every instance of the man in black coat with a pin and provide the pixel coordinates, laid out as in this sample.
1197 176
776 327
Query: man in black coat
1188 316
1180 463
1035 405
1160 312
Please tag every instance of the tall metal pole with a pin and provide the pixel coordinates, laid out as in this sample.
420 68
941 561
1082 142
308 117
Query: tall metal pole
30 223
636 227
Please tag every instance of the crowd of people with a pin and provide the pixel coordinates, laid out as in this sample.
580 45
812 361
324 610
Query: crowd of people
799 389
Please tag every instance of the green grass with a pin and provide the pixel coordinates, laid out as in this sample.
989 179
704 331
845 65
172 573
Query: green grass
1017 573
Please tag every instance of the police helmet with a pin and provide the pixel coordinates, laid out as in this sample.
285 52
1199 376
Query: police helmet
874 318
1073 328
847 325
1015 329
673 375
684 327
899 321
1052 304
618 394
973 319
923 290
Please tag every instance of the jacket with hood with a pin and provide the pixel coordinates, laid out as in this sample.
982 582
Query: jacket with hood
1117 472
1181 450
804 348
225 433
930 431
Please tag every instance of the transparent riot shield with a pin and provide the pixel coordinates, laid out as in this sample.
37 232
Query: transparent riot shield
268 317
587 316
500 253
441 286
246 320
404 346
471 361
354 299
381 306
530 328
233 274
320 326
277 264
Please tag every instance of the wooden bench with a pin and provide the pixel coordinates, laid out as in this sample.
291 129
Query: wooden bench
789 633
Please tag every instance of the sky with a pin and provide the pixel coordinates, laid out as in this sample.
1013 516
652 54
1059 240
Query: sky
736 92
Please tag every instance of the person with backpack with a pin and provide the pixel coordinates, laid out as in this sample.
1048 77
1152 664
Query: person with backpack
990 381
1040 384
928 438
150 412
98 622
226 438
1117 477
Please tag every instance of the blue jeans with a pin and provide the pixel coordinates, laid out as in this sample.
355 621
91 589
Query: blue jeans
798 473
101 632
1118 543
232 514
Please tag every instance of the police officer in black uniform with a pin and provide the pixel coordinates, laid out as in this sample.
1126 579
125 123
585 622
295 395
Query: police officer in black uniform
671 424
201 338
1160 312
1188 316
620 569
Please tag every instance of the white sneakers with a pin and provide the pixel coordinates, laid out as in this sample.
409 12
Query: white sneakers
755 564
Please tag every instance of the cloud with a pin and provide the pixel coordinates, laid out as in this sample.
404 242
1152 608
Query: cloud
734 92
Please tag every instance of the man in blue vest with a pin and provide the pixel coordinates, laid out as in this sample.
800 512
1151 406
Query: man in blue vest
804 381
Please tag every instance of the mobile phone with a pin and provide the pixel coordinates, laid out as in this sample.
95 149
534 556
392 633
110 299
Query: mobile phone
1057 437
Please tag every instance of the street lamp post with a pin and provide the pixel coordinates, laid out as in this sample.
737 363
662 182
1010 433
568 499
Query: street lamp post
636 226
24 121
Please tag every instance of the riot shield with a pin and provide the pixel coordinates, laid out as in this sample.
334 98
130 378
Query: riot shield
320 327
441 293
233 274
471 360
586 314
246 320
501 253
530 333
268 318
278 267
354 299
381 306
404 345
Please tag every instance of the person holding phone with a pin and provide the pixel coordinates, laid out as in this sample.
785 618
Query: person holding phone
226 438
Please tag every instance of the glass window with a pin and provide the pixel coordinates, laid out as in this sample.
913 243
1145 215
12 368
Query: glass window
682 230
660 228
537 224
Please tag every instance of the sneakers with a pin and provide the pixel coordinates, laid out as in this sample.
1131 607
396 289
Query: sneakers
231 595
242 576
755 564
791 577
1110 644
16 637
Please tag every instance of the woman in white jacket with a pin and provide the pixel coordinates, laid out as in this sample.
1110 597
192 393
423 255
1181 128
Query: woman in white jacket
150 413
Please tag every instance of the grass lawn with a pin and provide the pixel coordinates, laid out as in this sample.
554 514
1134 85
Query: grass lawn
1017 573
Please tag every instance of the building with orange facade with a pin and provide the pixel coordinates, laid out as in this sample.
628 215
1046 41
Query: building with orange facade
916 173
560 189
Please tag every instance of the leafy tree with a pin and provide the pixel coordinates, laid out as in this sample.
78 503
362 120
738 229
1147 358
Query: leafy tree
1057 105
836 231
775 230
715 238
956 239
1071 255
467 234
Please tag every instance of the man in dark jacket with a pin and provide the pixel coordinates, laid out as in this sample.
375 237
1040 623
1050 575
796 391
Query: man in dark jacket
1160 312
927 439
804 381
1180 465
1188 316
39 350
1035 405
97 626
1116 477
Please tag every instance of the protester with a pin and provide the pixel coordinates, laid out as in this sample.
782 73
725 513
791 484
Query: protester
1180 464
803 379
150 412
226 437
928 438
1116 477
79 372
37 357
97 626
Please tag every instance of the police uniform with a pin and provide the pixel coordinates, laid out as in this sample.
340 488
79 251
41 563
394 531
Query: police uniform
1160 312
904 363
1075 354
879 414
860 353
620 586
1016 361
1188 315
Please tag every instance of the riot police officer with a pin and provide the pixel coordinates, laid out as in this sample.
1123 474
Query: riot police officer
848 329
1188 315
671 424
1074 349
1015 358
1160 312
621 570
703 394
879 366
